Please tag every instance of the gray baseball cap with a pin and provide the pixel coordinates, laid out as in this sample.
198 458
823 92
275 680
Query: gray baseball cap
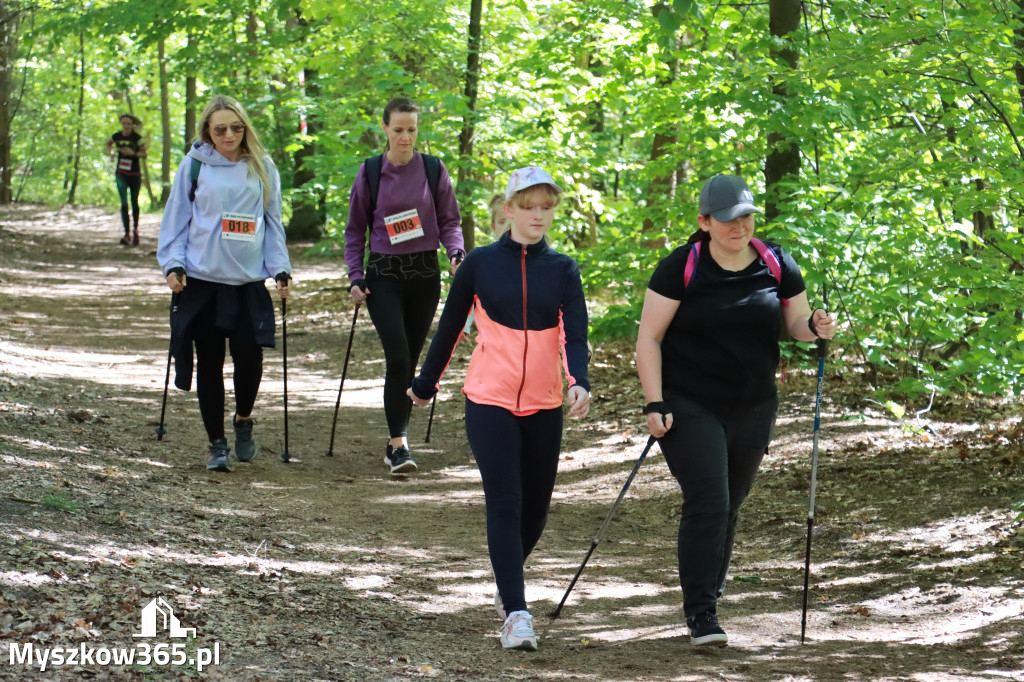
726 197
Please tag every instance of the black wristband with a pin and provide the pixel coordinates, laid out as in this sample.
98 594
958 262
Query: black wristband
457 256
282 277
180 271
659 406
813 327
361 283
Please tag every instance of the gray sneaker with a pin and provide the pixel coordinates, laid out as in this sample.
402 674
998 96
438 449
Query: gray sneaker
219 452
245 446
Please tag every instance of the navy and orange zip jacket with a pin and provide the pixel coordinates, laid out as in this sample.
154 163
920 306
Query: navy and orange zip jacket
531 321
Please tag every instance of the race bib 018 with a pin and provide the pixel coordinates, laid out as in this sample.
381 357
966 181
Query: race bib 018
238 226
403 226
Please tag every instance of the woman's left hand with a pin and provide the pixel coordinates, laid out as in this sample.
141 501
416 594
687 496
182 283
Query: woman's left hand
579 402
825 324
282 289
416 400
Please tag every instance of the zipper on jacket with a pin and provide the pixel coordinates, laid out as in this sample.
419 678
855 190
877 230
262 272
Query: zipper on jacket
526 335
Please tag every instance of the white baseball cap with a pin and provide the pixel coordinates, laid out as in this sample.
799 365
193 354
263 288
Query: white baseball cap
527 177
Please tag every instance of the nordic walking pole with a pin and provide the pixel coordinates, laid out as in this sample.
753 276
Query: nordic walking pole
285 455
344 371
430 422
822 349
607 520
160 430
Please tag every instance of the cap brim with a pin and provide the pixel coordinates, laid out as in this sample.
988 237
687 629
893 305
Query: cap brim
510 191
734 212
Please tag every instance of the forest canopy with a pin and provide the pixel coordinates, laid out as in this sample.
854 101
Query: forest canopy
882 138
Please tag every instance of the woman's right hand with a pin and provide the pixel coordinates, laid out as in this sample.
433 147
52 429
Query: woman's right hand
176 282
659 424
358 291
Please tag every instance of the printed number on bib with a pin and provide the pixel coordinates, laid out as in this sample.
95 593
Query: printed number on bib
238 226
124 164
403 226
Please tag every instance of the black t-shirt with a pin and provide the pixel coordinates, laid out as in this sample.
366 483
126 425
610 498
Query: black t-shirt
127 165
721 348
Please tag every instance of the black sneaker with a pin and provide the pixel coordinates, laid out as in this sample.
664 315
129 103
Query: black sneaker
399 459
705 630
126 240
219 452
245 446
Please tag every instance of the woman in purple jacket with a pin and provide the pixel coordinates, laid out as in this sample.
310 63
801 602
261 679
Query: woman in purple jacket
408 218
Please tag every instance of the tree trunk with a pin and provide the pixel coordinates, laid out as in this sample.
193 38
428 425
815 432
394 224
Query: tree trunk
165 124
81 107
308 203
143 166
783 151
190 104
664 185
465 182
10 14
1018 42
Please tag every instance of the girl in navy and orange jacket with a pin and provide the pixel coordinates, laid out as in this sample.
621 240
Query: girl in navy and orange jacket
531 319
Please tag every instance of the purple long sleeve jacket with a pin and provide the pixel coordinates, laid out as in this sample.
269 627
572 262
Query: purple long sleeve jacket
401 188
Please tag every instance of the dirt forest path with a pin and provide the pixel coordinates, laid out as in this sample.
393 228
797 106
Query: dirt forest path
331 569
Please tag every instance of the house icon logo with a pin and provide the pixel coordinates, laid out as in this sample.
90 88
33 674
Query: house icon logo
158 615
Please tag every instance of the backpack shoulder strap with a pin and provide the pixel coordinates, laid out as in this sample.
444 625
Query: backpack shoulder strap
771 260
373 166
432 167
691 264
769 257
193 176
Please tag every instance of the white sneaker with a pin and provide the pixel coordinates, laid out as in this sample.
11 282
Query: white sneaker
517 632
499 606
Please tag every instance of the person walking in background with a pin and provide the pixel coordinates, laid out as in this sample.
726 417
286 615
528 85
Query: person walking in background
532 322
220 239
405 201
127 174
706 352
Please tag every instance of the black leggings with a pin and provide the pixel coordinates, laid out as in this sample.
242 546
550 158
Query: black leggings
402 311
126 184
246 355
715 461
518 461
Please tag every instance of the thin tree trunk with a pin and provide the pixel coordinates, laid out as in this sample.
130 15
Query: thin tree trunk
465 181
190 104
143 166
783 152
1018 42
9 19
81 107
165 124
308 207
661 186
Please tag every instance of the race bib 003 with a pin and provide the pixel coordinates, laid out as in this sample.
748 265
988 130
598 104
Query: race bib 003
403 226
238 226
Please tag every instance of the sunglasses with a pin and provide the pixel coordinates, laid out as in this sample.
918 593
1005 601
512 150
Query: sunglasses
221 131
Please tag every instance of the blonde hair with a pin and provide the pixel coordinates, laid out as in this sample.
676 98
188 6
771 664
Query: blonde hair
498 217
519 198
253 150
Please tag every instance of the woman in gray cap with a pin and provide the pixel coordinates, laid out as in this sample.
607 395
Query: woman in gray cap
706 351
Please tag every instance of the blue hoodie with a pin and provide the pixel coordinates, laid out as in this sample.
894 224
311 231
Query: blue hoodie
191 233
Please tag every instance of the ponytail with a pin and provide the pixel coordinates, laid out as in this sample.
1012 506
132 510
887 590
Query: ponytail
699 236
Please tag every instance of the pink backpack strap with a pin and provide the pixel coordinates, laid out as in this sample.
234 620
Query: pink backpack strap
691 264
771 260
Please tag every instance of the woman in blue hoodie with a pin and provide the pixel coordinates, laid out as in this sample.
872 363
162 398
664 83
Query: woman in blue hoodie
220 239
